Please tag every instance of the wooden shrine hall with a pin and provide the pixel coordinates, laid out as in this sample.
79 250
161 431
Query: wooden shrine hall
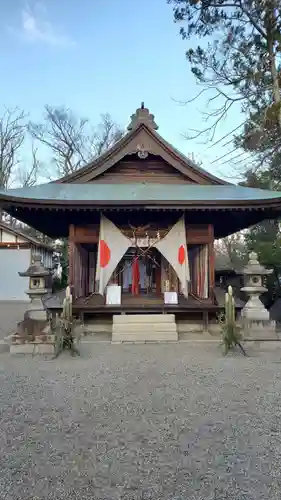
141 222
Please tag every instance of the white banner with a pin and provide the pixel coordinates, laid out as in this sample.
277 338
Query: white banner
174 248
112 246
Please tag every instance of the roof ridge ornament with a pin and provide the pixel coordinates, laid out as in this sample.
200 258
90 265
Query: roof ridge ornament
142 115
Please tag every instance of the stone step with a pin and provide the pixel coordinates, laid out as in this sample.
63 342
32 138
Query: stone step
148 327
143 318
144 327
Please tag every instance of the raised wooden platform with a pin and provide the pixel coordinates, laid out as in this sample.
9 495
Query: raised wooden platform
141 303
93 307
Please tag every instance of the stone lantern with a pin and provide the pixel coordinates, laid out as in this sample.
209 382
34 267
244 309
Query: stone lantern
255 317
33 334
38 287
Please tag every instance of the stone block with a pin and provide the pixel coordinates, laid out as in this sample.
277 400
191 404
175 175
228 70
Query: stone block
259 330
22 349
9 339
45 349
50 339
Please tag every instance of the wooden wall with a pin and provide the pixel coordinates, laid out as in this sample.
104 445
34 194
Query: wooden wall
195 234
153 169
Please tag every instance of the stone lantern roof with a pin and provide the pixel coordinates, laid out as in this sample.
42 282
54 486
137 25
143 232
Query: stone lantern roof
36 269
254 267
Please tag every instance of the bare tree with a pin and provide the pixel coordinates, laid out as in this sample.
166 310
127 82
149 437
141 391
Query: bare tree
12 136
233 249
106 134
13 130
28 176
71 140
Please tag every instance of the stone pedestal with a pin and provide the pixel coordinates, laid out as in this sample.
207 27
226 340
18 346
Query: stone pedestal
255 321
33 334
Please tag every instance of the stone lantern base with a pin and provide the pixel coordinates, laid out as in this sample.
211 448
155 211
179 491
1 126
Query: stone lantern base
33 334
255 320
44 343
259 329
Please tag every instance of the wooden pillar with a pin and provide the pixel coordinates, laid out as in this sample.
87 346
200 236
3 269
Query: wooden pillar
211 251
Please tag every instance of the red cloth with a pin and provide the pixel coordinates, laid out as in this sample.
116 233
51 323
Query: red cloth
105 254
135 277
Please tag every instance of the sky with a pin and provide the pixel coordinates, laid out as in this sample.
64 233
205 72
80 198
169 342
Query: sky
99 56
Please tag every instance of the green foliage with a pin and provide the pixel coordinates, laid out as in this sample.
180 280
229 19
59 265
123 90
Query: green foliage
236 58
262 139
265 238
231 335
234 52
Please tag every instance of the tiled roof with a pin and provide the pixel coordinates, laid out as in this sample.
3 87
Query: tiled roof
22 234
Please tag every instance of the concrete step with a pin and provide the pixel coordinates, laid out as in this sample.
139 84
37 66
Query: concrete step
143 318
144 327
148 327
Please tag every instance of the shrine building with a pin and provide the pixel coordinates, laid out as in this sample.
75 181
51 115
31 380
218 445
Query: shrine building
141 221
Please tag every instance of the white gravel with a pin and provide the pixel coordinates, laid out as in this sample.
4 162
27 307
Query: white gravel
176 421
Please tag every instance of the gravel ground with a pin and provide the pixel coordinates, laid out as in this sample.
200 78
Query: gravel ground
135 422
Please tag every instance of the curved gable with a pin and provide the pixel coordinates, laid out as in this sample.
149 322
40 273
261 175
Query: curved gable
142 142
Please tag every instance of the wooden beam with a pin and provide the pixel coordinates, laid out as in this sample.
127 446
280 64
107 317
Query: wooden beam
80 234
14 245
197 234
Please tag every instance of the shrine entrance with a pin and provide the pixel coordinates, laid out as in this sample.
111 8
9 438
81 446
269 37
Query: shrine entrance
147 266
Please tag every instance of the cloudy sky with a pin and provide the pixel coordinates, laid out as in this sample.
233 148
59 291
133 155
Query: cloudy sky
97 56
